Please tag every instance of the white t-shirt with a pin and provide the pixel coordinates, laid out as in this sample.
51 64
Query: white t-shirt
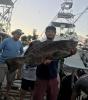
29 73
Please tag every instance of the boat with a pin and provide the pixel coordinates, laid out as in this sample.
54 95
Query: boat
64 21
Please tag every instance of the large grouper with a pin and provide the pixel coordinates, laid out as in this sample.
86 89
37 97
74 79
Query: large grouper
39 51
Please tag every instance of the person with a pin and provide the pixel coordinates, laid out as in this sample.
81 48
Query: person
80 85
67 84
11 47
47 83
28 80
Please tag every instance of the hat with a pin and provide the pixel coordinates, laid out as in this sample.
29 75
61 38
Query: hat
17 31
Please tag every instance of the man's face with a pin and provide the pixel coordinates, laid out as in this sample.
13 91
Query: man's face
16 36
50 34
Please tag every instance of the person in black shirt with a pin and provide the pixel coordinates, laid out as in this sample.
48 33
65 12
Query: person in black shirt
46 73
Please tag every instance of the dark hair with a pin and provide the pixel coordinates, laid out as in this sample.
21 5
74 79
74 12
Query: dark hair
80 72
51 28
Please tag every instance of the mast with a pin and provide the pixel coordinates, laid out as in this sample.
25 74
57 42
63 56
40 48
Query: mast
65 17
6 8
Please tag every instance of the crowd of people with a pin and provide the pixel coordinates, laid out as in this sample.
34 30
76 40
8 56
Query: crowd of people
45 81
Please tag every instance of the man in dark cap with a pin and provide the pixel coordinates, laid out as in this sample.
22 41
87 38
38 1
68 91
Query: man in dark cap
11 47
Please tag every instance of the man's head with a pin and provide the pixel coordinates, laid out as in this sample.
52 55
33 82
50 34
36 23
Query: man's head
80 72
50 32
17 34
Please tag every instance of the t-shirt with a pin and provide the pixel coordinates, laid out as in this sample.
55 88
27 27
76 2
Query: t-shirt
28 72
47 71
10 49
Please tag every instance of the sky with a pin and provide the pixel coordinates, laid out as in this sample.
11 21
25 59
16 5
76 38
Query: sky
37 14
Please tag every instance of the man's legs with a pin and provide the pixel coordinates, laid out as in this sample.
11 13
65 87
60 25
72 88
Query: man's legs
40 89
26 85
3 71
10 78
22 94
53 89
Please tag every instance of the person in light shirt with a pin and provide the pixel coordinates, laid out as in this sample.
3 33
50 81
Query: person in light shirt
28 75
11 47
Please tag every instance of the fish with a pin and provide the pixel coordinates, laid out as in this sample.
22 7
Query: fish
39 51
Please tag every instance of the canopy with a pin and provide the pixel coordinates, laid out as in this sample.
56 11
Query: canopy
6 2
66 25
65 15
74 62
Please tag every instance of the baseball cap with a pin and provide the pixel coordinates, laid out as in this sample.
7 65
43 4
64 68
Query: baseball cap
17 31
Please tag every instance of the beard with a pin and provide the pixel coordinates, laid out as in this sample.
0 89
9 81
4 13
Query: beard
50 38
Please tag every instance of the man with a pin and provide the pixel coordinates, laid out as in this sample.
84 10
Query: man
81 85
28 80
67 84
11 48
46 74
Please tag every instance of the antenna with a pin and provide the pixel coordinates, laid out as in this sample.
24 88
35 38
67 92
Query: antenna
81 14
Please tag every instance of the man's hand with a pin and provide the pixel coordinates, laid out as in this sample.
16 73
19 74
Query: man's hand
73 51
46 61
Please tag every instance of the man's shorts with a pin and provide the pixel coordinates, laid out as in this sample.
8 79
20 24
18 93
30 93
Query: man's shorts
10 77
27 84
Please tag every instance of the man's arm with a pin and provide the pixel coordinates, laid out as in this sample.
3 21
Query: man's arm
21 49
2 45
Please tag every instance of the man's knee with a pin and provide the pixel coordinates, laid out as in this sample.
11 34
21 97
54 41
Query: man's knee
10 77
